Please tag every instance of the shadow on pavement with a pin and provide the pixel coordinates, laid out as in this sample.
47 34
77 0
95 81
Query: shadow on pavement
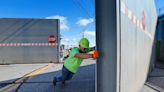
82 81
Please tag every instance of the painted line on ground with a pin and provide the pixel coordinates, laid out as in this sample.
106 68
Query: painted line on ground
28 76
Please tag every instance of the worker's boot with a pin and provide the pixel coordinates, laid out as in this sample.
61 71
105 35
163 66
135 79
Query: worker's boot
54 81
63 83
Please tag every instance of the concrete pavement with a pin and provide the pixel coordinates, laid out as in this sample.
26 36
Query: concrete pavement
157 75
82 81
9 73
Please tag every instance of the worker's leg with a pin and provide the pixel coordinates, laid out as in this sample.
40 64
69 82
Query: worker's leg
66 75
70 75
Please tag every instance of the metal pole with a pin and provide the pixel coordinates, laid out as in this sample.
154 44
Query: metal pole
106 41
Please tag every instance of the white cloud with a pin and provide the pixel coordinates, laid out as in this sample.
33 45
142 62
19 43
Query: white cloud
85 22
88 33
92 44
74 42
63 21
65 39
68 41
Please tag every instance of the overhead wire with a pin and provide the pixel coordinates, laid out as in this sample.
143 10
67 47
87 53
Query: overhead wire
83 10
91 4
78 4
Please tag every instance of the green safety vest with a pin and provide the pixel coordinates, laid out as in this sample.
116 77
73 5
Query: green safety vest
72 63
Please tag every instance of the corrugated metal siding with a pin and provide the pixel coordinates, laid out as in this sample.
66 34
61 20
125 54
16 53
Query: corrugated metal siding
28 31
135 53
136 46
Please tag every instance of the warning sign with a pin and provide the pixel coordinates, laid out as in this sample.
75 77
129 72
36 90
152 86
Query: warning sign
51 39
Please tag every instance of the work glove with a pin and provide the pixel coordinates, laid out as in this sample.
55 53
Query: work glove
95 54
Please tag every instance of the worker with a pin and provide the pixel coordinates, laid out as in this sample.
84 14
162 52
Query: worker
75 58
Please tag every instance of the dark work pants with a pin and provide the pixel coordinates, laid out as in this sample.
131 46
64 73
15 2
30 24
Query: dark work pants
66 75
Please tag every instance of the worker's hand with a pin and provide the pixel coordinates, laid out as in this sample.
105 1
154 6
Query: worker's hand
95 54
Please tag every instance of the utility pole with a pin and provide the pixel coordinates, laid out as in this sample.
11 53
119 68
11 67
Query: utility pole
82 33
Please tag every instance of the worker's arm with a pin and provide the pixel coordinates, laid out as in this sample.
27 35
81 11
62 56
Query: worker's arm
95 55
83 55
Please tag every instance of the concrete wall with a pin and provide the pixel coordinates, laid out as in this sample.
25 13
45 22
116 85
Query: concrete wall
28 31
125 34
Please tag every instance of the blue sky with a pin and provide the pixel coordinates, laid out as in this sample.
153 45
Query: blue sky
160 6
159 3
76 16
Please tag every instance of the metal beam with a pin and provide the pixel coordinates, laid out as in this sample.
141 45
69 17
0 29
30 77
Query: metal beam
106 41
